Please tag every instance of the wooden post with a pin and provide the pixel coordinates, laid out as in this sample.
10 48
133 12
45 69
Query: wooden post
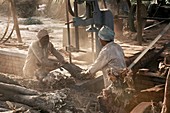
68 31
13 10
165 101
139 22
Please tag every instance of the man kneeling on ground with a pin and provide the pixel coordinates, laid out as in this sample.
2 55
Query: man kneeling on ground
37 63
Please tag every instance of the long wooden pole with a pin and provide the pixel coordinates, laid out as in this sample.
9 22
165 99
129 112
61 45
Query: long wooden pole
68 31
76 27
149 47
139 22
164 107
15 21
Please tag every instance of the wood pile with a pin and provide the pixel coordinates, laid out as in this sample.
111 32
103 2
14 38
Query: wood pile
59 96
16 98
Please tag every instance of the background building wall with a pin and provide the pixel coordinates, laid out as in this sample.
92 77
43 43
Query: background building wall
12 62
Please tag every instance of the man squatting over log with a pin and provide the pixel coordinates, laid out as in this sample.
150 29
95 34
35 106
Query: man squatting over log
37 63
112 63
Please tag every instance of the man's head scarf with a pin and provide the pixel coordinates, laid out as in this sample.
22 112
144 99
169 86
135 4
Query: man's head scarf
42 33
106 34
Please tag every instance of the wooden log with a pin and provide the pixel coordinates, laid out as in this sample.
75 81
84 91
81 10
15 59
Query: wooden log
17 89
32 101
72 69
46 102
11 106
6 79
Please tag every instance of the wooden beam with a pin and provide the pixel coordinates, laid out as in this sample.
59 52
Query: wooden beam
139 22
13 10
